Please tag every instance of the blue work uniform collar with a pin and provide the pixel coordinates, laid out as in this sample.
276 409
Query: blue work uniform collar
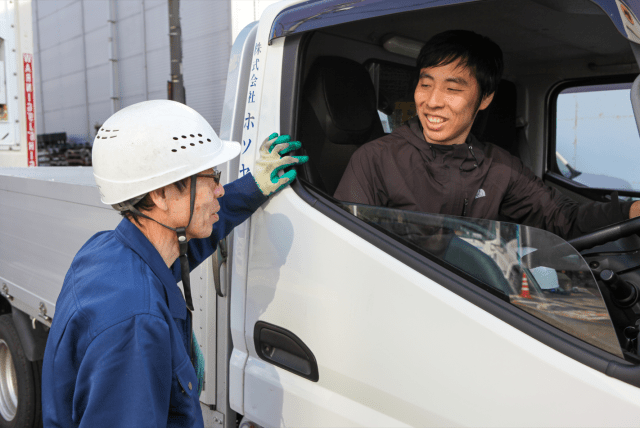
129 235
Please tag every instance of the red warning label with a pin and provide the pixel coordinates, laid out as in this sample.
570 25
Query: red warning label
32 154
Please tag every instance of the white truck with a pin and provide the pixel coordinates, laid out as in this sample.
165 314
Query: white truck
325 313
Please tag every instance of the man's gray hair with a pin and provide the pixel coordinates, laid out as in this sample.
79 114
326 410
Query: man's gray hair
128 205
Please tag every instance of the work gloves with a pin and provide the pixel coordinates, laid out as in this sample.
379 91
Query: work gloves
272 160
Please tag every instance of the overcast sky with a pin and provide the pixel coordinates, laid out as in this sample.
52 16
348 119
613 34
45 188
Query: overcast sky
604 140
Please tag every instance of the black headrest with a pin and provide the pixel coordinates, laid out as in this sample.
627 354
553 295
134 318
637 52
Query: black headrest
340 91
497 123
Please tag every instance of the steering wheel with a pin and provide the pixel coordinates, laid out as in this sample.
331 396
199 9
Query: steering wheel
602 236
607 234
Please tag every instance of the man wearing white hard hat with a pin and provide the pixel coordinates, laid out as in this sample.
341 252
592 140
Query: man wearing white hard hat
121 352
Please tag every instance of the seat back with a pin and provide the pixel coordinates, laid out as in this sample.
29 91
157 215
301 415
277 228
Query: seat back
497 123
338 113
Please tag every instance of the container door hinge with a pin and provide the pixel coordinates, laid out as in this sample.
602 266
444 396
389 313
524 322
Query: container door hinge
5 292
43 312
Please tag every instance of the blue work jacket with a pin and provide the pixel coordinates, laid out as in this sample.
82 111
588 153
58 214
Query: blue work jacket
117 353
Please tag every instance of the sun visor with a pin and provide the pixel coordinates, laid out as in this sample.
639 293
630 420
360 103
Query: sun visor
314 15
624 15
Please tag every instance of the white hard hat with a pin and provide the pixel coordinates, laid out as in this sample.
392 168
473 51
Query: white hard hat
152 144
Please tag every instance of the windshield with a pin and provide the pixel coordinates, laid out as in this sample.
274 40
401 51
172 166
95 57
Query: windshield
530 268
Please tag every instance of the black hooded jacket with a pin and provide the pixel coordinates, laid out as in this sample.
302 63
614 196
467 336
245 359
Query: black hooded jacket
480 180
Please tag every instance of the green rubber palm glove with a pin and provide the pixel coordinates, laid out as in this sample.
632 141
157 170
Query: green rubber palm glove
198 363
272 160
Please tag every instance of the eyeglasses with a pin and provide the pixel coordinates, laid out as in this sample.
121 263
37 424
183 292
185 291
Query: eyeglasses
216 176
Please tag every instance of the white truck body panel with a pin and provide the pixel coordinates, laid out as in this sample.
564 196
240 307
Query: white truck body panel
30 200
382 335
265 105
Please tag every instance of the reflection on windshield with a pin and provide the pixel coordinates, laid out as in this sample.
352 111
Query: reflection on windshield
531 268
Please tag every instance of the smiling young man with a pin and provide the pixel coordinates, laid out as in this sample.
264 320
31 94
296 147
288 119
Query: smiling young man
434 164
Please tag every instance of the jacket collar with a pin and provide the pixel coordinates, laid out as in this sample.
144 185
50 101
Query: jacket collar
460 151
129 235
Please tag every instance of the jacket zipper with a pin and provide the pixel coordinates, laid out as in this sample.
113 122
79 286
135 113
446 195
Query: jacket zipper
464 209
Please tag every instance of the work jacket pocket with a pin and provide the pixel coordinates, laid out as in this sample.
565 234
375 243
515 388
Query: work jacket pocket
184 408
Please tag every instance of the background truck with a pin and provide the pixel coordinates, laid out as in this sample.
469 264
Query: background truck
17 95
326 313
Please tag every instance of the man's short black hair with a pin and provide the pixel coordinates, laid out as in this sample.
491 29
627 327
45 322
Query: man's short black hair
479 53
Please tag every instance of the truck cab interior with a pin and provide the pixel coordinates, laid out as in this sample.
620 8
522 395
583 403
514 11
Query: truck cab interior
545 44
353 82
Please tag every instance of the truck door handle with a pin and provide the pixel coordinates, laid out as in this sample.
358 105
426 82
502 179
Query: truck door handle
219 257
284 349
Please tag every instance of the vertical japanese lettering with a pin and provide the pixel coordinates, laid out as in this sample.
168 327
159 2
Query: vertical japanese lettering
249 121
244 143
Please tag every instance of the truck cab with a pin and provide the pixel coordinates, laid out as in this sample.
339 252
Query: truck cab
345 314
322 312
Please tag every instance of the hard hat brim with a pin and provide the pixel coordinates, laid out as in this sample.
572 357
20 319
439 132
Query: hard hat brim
230 149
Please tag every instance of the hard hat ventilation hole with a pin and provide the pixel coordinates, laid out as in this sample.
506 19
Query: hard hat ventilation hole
191 144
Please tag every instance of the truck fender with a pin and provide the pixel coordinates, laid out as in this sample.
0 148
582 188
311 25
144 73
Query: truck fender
33 340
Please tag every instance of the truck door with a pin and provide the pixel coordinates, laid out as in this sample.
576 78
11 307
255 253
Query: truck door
353 315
